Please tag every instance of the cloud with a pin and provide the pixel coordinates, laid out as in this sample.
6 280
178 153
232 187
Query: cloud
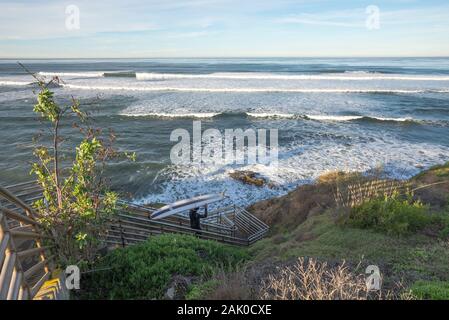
318 22
193 34
117 27
355 18
36 20
45 19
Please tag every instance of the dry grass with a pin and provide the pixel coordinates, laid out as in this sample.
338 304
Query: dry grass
331 177
352 195
312 280
231 286
352 188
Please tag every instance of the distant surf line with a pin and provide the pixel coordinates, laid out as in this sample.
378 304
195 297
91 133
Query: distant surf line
88 74
254 76
345 76
331 118
15 83
248 90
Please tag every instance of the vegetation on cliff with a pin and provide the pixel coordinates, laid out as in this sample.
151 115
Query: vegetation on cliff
398 226
146 270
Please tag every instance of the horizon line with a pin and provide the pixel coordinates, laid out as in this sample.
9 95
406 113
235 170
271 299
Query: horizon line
224 57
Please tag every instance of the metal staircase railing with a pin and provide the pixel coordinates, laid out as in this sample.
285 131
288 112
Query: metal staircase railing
25 267
23 262
132 224
232 225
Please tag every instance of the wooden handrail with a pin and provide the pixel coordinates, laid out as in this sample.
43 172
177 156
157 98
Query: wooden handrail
21 184
15 282
27 234
166 224
135 226
19 217
229 224
10 197
32 270
31 252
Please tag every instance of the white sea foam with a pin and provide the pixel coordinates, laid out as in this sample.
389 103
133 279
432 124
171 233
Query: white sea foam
247 90
73 74
297 165
323 117
271 115
132 112
352 76
350 118
394 119
14 83
170 115
333 118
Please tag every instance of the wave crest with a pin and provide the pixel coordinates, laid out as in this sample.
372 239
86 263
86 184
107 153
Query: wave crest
351 76
250 90
352 118
15 83
171 115
262 115
73 74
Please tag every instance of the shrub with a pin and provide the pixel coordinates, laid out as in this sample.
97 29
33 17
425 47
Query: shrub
392 215
143 271
199 291
77 202
432 290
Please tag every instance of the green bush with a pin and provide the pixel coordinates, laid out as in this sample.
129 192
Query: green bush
392 215
143 271
431 290
198 291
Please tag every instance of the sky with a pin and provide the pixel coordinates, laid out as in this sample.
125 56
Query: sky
223 28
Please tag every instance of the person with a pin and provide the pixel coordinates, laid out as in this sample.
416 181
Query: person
195 218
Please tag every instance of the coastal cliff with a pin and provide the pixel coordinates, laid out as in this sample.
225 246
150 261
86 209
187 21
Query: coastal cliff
319 247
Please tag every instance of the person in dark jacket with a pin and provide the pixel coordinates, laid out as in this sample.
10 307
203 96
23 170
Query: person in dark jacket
195 218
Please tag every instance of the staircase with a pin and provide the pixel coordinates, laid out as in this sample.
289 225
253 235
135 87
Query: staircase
231 225
26 268
24 263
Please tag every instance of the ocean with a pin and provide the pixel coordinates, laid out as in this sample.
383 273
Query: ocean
388 114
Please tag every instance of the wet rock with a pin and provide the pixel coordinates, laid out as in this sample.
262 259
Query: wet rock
251 178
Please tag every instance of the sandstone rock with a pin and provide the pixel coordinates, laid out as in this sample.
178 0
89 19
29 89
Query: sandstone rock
250 177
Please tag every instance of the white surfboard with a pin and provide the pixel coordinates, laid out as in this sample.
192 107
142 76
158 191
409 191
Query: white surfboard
184 205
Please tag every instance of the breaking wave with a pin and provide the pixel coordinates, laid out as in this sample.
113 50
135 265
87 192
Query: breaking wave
251 90
351 118
336 118
73 74
261 115
15 83
171 115
352 76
